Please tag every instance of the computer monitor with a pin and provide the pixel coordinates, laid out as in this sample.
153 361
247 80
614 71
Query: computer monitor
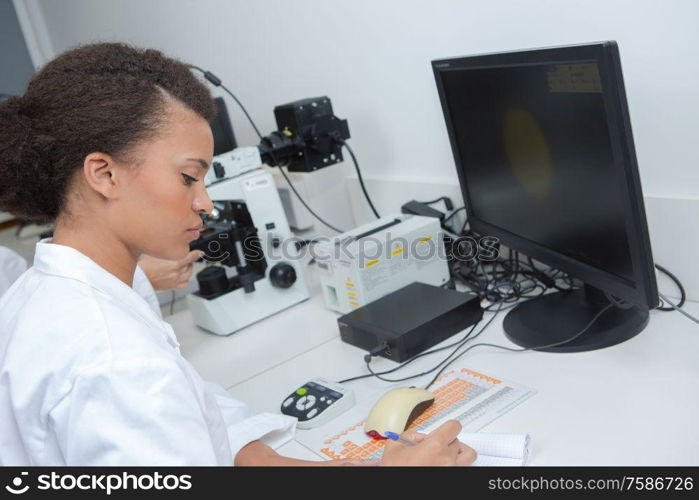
545 157
224 139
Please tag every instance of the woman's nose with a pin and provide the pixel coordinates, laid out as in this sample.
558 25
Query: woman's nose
202 204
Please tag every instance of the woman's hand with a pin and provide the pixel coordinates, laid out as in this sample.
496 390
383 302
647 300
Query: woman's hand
169 274
440 447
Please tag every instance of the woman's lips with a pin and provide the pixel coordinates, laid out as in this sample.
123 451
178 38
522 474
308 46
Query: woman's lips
195 231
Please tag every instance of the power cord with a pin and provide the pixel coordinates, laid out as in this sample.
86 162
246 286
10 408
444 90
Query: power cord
446 362
555 344
510 280
359 175
683 296
447 202
449 217
445 198
318 217
674 278
216 81
451 357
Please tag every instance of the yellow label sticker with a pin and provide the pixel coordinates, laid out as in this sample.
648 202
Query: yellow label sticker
371 263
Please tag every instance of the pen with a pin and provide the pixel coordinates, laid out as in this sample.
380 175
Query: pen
395 437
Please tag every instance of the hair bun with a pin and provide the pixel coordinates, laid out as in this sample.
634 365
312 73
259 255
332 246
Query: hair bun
12 110
22 150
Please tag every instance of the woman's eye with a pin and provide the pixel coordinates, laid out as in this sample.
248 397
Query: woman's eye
188 180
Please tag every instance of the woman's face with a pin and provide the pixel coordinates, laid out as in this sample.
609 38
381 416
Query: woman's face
161 198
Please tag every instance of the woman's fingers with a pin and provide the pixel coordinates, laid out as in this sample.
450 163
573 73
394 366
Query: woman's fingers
414 436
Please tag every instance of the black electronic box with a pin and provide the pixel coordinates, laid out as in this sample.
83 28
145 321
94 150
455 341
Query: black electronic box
410 320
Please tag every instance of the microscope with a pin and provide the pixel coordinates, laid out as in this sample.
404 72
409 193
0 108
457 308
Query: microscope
253 265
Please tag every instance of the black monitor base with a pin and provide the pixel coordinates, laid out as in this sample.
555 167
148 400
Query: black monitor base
559 316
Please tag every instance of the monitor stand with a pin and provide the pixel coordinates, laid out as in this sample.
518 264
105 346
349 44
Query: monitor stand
558 316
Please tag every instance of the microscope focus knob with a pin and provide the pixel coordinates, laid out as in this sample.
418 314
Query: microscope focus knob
282 275
212 282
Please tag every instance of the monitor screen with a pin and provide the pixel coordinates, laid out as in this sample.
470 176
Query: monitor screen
544 152
537 157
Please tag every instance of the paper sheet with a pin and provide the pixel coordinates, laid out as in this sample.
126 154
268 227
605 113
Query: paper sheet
472 398
499 449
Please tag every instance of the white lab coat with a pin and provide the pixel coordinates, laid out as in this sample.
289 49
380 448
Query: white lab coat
12 265
91 375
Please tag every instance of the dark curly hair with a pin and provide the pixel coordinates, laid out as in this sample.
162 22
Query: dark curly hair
105 97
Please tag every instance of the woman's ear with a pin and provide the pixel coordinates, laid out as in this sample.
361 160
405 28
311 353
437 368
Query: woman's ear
100 173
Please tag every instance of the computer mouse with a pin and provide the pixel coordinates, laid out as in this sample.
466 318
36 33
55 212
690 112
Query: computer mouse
396 410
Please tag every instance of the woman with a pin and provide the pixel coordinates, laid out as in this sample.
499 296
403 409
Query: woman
112 143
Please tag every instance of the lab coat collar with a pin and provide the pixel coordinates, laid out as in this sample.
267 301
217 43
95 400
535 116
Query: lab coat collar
64 261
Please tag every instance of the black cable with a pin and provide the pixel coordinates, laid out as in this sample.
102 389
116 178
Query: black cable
361 180
447 202
509 280
674 278
288 181
380 349
555 344
451 215
218 83
172 303
463 228
433 201
426 353
620 303
514 304
541 274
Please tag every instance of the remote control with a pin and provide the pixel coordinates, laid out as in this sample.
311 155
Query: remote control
317 402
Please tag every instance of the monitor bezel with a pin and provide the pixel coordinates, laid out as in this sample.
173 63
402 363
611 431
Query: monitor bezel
642 291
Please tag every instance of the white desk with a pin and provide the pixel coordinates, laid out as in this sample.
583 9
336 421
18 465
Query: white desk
636 403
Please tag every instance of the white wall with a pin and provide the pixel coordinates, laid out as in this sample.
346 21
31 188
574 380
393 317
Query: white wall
373 59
